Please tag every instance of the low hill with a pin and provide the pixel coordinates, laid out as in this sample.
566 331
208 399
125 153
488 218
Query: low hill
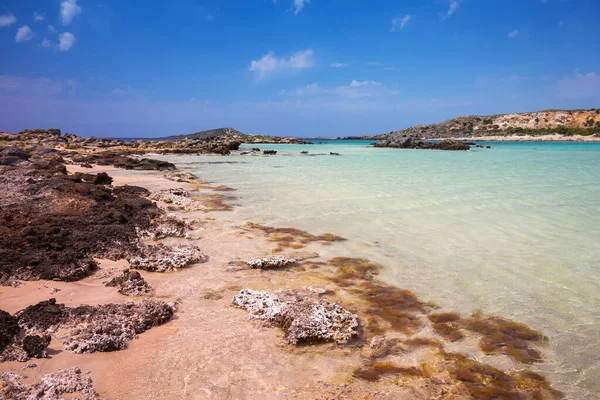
210 134
565 122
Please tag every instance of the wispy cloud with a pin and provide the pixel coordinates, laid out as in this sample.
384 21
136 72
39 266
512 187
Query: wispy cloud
121 91
38 17
400 22
364 83
7 20
299 5
338 65
375 64
579 86
51 29
24 86
66 41
46 43
269 63
68 10
454 4
24 34
513 34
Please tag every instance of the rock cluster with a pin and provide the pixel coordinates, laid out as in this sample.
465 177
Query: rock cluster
130 283
67 382
304 316
271 262
162 258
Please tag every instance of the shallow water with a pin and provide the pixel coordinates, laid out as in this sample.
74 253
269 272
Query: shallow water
513 230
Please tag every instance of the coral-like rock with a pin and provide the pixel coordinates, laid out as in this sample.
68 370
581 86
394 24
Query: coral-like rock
50 387
271 262
178 197
130 283
161 258
110 327
304 316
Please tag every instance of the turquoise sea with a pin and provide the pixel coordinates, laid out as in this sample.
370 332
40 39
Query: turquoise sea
513 230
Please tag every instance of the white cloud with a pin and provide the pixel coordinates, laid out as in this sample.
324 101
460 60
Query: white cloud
38 17
364 83
454 4
46 44
51 29
400 22
66 41
579 86
269 63
513 34
7 20
68 10
24 34
338 65
299 5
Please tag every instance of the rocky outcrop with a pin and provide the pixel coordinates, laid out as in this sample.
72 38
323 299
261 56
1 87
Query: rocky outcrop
88 329
130 283
272 262
302 314
411 143
565 122
163 258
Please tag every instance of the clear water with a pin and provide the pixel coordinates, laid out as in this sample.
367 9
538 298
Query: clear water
513 230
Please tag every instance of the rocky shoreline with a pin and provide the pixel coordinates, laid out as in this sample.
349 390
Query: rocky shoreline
72 219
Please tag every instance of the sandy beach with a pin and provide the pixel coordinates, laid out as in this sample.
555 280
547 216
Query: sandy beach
404 348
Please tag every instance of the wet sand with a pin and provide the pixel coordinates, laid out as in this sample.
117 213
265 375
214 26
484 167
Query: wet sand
211 350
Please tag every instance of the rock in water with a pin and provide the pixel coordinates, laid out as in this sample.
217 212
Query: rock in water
271 262
162 258
304 316
130 283
178 197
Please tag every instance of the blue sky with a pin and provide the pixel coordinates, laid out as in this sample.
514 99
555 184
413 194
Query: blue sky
125 68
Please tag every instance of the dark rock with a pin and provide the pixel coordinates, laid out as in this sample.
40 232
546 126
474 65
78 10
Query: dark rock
255 149
269 152
35 346
9 329
331 153
130 283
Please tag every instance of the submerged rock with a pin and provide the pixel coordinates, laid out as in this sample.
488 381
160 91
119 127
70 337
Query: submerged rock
181 177
269 152
161 258
271 262
304 316
130 283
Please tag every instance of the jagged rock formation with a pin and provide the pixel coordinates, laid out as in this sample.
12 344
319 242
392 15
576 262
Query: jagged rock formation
162 258
565 122
88 329
304 316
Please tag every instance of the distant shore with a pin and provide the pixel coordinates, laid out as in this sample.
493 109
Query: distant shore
529 138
